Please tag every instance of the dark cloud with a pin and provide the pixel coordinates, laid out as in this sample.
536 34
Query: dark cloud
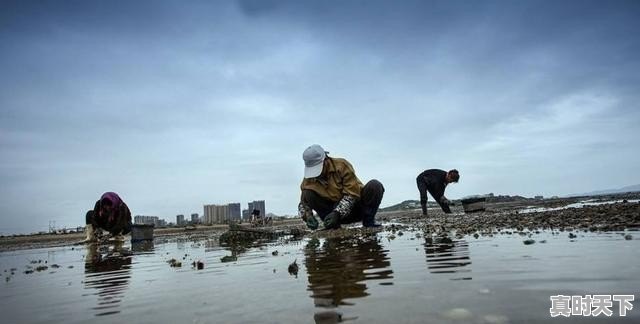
202 102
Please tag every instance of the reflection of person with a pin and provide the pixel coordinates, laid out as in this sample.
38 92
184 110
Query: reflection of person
331 188
447 256
109 274
435 181
110 213
338 269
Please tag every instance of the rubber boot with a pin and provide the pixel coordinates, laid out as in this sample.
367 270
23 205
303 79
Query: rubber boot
91 234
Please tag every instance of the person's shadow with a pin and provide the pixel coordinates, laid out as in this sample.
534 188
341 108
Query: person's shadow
108 271
339 268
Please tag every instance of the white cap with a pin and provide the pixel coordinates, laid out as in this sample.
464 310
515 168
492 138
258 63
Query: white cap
313 158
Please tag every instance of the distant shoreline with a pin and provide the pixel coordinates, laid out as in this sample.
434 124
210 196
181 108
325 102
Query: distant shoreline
497 216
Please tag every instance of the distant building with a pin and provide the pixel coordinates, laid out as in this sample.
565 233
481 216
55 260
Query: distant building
250 205
195 219
234 211
538 197
149 220
259 205
180 220
246 214
215 214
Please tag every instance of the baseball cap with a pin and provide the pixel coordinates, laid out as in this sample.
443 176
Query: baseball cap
313 158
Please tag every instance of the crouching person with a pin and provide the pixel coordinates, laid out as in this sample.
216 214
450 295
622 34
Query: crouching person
111 214
331 188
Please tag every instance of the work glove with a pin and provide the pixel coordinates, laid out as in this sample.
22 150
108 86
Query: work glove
312 223
332 220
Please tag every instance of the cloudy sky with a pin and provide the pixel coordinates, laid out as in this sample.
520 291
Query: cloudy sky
174 104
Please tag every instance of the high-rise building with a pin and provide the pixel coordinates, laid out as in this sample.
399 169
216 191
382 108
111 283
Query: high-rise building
180 220
234 211
194 218
250 208
155 220
216 214
259 205
246 214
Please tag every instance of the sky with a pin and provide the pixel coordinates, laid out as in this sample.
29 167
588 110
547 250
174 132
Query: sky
177 104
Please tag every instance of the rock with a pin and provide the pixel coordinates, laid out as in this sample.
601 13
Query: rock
293 268
572 236
529 242
174 263
327 317
229 258
628 237
198 265
274 253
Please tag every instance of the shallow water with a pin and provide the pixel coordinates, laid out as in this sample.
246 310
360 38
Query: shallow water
379 278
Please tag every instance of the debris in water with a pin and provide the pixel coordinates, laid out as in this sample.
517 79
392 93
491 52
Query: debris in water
529 242
174 263
293 268
274 253
42 268
55 266
628 237
198 264
229 258
571 235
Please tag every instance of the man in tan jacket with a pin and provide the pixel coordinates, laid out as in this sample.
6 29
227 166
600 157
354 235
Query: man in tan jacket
331 188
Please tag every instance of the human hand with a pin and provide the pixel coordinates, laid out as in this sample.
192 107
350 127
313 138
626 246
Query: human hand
332 220
312 223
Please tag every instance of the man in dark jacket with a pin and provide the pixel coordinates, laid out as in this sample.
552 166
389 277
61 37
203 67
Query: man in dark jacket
331 188
110 213
435 181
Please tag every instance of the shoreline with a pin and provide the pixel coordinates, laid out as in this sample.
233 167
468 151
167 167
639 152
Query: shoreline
619 215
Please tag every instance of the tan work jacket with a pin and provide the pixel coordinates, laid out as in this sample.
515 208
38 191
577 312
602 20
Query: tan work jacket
337 181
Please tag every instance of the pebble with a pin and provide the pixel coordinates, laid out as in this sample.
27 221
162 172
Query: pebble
628 237
529 242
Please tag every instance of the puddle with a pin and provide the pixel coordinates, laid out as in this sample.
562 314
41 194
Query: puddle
580 204
373 278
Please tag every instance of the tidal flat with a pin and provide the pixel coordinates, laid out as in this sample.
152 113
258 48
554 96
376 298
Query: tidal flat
499 266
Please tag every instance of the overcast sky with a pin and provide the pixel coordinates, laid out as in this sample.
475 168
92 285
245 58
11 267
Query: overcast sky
177 104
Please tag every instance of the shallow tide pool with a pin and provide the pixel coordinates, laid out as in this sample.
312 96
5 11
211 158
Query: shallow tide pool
383 277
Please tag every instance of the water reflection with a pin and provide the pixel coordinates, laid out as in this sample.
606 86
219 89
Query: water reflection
108 270
142 247
339 268
445 255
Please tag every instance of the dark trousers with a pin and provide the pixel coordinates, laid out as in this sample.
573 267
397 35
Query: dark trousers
364 210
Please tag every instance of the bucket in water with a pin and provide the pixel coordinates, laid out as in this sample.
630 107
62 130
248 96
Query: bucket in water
473 204
141 232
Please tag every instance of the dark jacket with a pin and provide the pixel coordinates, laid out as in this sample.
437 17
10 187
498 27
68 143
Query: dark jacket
119 222
433 181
